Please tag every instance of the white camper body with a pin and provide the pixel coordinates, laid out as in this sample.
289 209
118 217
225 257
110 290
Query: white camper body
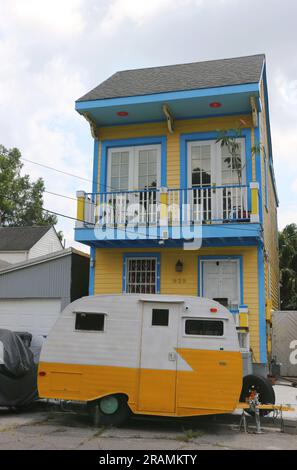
166 355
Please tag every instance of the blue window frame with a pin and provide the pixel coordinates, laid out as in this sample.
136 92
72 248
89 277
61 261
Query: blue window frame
144 283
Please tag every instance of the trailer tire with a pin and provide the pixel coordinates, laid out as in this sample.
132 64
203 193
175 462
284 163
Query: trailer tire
262 386
112 410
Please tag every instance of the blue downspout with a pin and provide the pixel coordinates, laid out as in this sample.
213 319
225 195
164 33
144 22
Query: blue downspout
262 315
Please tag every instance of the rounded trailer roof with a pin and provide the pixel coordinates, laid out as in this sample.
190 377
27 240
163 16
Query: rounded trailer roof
92 303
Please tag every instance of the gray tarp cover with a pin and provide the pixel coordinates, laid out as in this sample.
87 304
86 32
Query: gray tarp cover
18 373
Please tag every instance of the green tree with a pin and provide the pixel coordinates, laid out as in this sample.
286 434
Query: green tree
288 267
21 200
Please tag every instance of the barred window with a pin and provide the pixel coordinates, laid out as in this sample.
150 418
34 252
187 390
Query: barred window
141 276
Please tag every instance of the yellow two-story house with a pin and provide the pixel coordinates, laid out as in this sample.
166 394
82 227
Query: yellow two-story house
173 209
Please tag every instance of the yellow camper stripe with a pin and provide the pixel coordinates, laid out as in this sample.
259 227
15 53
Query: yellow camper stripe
213 386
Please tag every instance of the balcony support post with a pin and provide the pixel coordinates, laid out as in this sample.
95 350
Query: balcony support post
164 213
80 213
254 187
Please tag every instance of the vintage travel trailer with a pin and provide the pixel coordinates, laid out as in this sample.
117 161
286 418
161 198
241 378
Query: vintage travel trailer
146 354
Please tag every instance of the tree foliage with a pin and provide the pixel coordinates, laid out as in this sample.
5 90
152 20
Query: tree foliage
21 200
288 267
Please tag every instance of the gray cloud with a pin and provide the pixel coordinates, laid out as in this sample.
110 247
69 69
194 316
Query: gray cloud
52 53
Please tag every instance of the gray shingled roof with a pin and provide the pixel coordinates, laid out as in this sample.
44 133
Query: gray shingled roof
4 264
20 238
215 73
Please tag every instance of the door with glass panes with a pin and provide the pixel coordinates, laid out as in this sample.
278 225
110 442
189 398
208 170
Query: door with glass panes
215 178
132 179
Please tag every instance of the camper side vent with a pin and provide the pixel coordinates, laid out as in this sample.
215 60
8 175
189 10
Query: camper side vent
89 321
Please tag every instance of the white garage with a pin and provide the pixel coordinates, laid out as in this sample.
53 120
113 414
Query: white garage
34 292
34 315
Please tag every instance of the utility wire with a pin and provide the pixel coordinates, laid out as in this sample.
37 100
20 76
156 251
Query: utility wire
91 181
74 199
56 169
92 224
51 212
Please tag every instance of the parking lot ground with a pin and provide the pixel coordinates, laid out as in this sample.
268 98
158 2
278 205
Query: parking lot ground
44 426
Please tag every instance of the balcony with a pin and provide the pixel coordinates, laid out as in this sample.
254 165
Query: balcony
167 214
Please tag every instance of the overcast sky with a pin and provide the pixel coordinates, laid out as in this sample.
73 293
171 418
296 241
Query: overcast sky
53 52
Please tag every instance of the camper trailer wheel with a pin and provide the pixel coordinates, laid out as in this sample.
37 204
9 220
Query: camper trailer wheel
262 386
110 410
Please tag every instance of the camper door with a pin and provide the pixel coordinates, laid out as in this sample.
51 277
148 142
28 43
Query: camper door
158 360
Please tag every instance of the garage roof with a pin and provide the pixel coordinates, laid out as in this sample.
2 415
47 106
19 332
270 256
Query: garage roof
21 238
41 259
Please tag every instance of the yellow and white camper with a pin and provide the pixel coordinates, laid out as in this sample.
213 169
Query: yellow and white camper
149 354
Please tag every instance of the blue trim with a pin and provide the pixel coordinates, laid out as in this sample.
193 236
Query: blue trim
82 106
141 255
225 257
200 136
259 170
92 271
106 144
237 234
214 114
95 166
262 315
266 102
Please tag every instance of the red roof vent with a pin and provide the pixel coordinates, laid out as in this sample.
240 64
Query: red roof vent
215 104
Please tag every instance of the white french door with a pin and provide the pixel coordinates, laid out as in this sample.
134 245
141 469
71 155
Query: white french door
214 176
201 178
132 175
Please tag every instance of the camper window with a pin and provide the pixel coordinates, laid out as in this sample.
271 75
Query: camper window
89 321
204 327
160 317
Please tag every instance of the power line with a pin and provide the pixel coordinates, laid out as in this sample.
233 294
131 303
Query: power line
86 179
56 169
61 195
118 228
48 167
51 212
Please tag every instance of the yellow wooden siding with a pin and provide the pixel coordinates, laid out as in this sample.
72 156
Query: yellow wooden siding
109 273
269 218
173 140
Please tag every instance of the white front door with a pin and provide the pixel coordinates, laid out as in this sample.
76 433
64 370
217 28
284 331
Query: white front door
158 363
220 280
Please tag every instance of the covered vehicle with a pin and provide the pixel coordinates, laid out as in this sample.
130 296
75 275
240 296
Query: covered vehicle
18 372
